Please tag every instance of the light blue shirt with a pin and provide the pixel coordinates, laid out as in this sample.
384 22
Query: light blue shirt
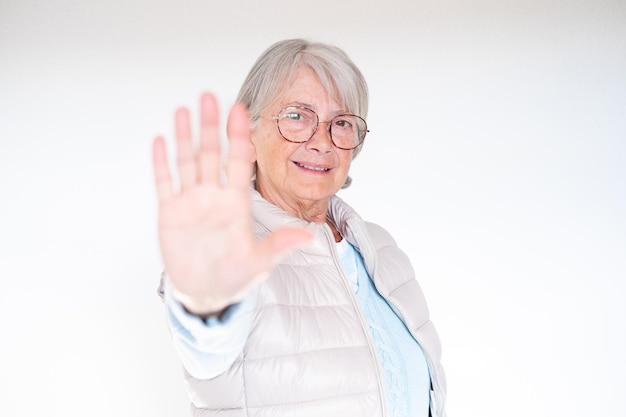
402 362
207 349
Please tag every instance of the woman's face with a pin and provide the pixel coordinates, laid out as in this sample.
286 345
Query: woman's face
300 177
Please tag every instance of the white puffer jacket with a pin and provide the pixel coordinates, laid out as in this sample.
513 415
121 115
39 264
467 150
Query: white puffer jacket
309 353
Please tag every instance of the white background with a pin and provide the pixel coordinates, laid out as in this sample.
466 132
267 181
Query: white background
497 158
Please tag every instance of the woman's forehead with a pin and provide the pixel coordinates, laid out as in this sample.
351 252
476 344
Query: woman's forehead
304 88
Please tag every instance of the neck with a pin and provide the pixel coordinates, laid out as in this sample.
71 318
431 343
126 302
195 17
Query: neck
314 211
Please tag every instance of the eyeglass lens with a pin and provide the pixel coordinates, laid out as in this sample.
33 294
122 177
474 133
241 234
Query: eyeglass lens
298 124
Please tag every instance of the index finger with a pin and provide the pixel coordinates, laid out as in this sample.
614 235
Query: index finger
240 153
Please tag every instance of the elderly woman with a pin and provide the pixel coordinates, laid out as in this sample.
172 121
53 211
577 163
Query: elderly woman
281 300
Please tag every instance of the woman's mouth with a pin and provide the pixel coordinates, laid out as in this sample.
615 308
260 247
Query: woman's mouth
312 167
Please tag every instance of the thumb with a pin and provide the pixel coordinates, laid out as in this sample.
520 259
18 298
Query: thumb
282 241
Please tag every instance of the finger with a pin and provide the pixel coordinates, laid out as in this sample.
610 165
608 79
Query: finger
239 168
162 177
209 156
185 155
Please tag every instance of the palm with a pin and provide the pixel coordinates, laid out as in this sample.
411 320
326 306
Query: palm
205 230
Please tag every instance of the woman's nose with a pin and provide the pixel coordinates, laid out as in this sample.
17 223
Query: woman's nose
321 139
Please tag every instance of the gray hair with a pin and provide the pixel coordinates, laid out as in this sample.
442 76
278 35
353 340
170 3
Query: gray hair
275 68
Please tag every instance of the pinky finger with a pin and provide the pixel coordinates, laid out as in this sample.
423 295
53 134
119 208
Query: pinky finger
162 177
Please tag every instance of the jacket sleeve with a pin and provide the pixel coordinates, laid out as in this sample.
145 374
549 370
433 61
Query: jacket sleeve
207 348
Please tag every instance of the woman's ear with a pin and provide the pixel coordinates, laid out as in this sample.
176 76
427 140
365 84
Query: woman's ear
252 147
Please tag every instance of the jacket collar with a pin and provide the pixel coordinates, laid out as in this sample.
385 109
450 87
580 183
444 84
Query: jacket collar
345 218
273 217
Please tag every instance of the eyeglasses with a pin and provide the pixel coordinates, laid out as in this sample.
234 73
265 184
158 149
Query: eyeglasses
298 124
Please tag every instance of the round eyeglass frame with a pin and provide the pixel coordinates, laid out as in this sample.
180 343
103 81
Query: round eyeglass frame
328 129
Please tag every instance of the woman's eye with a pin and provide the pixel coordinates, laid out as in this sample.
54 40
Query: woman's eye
297 115
343 123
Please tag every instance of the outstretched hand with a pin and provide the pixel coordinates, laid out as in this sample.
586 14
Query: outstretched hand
209 251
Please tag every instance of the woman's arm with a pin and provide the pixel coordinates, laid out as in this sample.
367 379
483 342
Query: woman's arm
207 347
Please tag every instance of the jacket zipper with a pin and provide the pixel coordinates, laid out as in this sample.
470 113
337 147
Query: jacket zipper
381 390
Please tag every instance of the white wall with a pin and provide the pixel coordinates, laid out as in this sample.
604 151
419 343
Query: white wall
497 159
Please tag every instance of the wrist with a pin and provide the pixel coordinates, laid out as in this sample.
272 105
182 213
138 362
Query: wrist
201 308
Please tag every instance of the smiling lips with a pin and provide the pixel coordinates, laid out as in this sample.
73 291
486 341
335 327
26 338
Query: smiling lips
311 167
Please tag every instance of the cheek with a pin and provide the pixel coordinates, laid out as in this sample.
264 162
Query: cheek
269 152
346 160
